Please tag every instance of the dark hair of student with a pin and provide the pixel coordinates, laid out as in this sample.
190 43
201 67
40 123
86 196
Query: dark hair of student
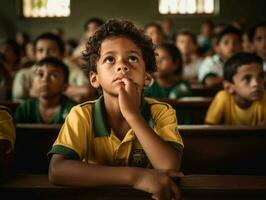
188 33
236 61
53 37
153 24
174 54
118 28
95 20
55 63
252 30
15 48
229 30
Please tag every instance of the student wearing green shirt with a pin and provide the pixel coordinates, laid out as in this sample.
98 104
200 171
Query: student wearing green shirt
167 82
51 106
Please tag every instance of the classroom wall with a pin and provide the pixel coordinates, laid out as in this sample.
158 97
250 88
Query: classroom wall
138 11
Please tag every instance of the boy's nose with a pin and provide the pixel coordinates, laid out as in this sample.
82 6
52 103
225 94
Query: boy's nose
122 69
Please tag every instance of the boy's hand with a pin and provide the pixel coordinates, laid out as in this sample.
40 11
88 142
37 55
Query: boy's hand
159 184
129 98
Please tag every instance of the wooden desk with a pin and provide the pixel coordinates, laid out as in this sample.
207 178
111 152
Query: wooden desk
192 188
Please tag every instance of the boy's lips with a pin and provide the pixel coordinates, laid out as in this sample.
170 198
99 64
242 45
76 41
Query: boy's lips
256 93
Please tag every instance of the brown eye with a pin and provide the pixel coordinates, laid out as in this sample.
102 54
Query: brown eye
133 59
109 60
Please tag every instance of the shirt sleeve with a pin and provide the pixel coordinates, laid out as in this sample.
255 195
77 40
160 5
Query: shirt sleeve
72 141
7 128
166 127
216 110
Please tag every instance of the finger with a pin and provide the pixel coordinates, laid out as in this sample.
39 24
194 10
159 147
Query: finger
176 193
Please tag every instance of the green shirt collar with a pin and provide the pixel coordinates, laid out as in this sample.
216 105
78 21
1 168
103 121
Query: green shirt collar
99 120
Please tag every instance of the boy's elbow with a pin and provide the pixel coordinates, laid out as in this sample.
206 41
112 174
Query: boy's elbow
54 171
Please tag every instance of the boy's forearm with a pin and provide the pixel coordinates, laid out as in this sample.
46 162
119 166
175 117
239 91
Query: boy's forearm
160 154
77 173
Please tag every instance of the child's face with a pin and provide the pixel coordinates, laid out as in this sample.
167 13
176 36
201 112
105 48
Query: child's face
259 41
248 82
119 58
155 34
246 44
50 81
185 44
228 46
165 65
47 48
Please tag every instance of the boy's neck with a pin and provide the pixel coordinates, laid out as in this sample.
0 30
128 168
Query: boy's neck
241 102
187 59
50 102
115 119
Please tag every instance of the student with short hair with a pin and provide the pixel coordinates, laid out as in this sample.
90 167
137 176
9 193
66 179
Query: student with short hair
51 45
243 100
155 32
257 35
168 81
211 69
110 141
7 139
51 106
186 42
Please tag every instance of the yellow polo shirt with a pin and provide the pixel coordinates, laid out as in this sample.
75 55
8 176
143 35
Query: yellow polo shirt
85 135
7 129
224 110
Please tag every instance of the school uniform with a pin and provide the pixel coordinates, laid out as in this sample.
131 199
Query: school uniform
224 110
28 112
86 136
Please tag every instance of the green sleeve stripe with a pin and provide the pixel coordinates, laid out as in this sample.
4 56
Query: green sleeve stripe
176 146
65 151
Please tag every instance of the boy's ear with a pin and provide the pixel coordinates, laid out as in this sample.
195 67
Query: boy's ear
228 86
94 79
148 79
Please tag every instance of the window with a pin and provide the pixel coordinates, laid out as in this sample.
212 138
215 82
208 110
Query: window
188 6
45 8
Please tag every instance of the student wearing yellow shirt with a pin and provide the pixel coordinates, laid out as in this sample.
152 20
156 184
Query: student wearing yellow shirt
243 101
116 139
7 139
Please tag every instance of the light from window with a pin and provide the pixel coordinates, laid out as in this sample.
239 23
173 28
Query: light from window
46 8
186 6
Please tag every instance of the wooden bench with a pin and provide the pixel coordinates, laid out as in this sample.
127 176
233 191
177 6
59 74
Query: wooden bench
192 187
33 141
208 149
223 149
200 90
190 110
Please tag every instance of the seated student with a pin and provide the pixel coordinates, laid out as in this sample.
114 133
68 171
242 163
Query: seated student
257 36
51 106
155 32
7 139
106 142
168 81
243 101
5 81
47 45
186 42
211 69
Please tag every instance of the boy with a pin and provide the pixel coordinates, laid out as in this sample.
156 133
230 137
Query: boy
113 131
7 139
243 101
186 42
155 32
211 69
257 36
51 45
51 107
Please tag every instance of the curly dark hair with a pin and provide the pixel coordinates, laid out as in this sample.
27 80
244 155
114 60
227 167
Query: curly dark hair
118 28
